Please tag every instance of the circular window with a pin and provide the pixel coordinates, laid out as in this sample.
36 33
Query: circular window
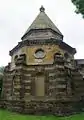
39 53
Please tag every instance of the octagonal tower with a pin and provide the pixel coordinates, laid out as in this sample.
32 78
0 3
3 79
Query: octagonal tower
42 74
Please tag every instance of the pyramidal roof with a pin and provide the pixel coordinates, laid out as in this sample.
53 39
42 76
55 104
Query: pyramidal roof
42 21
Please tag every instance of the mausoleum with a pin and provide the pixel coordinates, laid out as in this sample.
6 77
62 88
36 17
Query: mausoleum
43 77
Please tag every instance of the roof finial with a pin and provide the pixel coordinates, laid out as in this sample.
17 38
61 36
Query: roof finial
42 9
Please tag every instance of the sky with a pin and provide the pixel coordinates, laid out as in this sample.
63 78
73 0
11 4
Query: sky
17 15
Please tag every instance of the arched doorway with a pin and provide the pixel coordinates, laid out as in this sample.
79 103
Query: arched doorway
39 84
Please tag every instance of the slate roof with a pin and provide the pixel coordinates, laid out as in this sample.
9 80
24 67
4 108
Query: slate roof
42 21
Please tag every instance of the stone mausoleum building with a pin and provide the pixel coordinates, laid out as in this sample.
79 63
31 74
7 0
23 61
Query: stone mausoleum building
43 77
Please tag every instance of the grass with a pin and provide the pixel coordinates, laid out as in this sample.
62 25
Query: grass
6 115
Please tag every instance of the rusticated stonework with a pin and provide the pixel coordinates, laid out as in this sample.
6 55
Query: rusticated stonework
43 77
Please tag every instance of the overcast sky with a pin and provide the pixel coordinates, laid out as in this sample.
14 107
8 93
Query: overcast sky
17 15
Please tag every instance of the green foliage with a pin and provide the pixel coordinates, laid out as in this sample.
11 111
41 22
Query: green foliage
5 115
1 69
1 78
1 83
79 6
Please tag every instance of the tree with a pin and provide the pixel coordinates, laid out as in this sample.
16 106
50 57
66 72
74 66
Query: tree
1 78
1 84
79 6
1 69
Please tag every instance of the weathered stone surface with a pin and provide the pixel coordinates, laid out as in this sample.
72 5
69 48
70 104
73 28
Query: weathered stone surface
47 84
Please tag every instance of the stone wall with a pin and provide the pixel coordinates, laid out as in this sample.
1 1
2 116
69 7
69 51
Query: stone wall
29 51
63 85
45 107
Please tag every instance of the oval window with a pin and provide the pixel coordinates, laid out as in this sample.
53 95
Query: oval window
39 53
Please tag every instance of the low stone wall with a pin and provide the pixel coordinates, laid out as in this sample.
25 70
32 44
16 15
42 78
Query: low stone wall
45 108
